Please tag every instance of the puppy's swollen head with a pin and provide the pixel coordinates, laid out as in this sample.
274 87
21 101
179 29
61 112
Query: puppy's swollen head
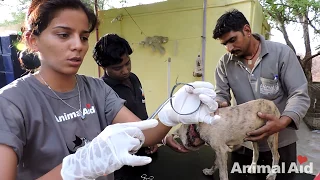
190 137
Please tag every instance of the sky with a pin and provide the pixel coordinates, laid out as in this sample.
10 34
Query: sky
10 5
294 32
296 37
6 9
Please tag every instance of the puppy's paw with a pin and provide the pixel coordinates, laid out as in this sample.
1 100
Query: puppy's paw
208 171
252 169
271 176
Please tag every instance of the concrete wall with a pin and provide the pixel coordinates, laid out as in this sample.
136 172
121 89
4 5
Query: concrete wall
182 22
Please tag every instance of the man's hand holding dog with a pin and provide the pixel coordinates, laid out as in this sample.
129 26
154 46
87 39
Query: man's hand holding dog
273 125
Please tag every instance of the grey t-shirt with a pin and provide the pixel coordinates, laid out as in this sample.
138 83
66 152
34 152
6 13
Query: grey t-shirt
42 129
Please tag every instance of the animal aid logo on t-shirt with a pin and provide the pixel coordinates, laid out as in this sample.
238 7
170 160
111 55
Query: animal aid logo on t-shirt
89 109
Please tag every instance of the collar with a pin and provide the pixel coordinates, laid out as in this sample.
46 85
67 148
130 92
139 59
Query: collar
264 48
113 82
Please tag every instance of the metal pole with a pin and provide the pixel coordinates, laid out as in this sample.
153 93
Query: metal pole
204 31
169 76
97 31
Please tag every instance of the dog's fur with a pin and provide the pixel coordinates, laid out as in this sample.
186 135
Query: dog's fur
230 131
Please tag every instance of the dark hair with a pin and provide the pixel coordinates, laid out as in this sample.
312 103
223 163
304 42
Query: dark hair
232 20
41 12
29 61
109 49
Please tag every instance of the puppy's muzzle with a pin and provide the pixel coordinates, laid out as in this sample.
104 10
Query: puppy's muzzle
193 137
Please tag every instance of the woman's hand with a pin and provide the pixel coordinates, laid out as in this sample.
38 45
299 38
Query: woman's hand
186 100
113 148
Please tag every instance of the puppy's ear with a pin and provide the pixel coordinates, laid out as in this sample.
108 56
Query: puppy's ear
175 134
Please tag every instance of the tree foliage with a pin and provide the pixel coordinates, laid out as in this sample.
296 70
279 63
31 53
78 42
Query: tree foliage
303 13
104 4
17 18
19 13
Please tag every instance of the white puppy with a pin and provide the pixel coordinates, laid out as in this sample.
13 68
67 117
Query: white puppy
230 131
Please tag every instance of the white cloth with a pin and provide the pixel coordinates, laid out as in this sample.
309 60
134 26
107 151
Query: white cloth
108 152
187 100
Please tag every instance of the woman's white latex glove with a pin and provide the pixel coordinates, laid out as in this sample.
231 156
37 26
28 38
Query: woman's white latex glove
108 152
187 100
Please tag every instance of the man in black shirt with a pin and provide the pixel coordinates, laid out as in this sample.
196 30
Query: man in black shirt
130 90
112 53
